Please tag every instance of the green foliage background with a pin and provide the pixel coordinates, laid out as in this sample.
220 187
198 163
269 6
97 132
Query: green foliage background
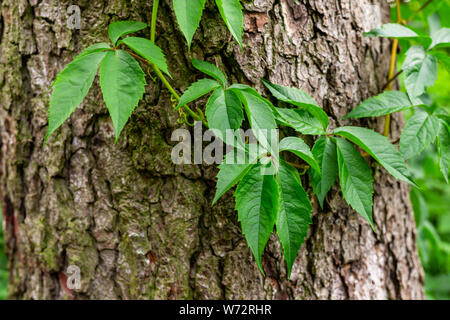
431 202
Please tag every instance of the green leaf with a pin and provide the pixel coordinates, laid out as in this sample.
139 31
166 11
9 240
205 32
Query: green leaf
101 46
443 147
122 28
260 116
70 87
441 38
418 133
397 31
300 120
379 148
443 58
197 90
420 70
189 14
230 174
298 98
224 112
123 84
298 147
211 70
355 178
231 12
148 50
257 205
386 103
324 151
294 213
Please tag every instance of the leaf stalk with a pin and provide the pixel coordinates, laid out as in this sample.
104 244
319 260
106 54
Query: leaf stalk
158 72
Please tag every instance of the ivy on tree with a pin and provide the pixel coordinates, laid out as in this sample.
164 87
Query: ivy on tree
270 193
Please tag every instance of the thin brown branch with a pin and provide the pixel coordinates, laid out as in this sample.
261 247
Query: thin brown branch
387 84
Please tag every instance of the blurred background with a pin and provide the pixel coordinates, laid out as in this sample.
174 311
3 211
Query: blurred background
431 203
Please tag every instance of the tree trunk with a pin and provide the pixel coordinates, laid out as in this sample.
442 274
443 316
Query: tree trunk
140 227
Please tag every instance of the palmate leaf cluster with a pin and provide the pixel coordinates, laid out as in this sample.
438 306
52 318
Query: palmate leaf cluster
122 80
271 193
278 200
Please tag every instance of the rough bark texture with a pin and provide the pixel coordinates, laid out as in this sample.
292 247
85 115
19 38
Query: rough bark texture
140 227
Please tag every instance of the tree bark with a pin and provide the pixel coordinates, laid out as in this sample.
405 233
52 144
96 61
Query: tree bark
140 227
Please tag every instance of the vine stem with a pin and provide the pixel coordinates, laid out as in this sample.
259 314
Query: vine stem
153 23
158 72
391 77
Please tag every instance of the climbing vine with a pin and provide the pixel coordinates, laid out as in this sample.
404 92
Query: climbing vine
270 193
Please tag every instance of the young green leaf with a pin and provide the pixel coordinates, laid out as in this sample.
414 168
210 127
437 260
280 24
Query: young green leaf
298 147
189 14
385 103
71 86
294 213
230 174
355 178
443 146
324 150
123 84
122 28
418 133
420 71
298 98
257 205
231 12
148 50
300 120
398 31
197 90
224 111
379 148
211 70
441 38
